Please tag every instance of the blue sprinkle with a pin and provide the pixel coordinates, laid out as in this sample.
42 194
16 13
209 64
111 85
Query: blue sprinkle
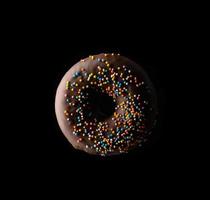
76 74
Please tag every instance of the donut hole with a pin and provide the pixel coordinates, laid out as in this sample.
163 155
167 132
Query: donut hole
99 105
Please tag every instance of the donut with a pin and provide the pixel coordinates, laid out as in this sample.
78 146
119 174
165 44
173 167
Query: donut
106 105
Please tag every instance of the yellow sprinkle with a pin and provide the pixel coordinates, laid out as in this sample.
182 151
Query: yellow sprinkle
89 76
112 75
67 84
92 57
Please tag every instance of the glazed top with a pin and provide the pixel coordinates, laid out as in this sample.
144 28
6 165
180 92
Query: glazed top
131 90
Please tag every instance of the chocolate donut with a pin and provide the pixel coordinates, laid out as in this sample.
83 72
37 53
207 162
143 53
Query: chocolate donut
106 104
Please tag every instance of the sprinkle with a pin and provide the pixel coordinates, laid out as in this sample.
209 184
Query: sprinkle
89 76
92 57
79 140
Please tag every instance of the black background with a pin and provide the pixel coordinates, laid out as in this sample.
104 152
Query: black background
47 43
158 54
57 60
